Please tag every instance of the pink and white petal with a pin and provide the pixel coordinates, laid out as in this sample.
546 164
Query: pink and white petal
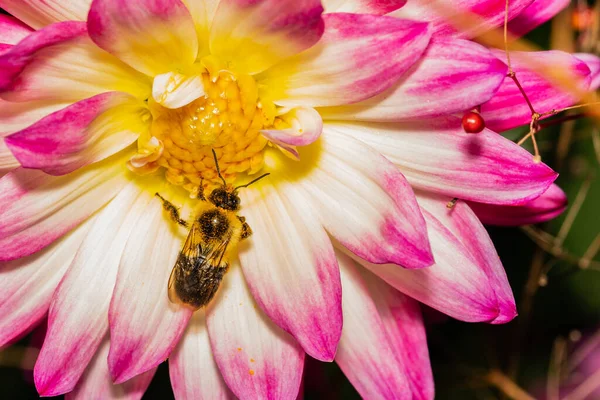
8 162
546 207
174 90
253 35
291 267
383 349
536 14
376 7
508 108
27 284
39 13
36 209
455 285
489 14
78 318
453 75
96 383
17 116
193 370
593 63
364 202
465 225
438 156
153 37
61 64
358 57
256 358
305 127
144 325
81 134
12 31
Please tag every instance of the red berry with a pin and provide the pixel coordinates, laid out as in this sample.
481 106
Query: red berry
473 122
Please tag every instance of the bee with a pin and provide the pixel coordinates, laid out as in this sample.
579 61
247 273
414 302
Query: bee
215 231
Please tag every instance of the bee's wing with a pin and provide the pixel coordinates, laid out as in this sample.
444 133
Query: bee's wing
192 249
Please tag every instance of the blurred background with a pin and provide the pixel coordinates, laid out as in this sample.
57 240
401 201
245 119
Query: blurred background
552 349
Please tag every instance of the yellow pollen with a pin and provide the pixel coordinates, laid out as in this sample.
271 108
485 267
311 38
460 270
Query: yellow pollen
228 119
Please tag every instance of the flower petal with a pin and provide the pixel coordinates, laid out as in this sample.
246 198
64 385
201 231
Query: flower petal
37 14
17 116
96 383
203 13
383 349
36 209
27 284
593 63
8 162
78 319
61 64
358 57
193 370
253 35
144 325
174 90
153 37
376 7
291 267
305 127
12 31
536 14
257 359
490 14
455 285
363 201
438 156
465 225
546 207
453 75
81 134
508 108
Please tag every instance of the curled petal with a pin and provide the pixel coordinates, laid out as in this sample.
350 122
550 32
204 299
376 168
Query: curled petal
153 37
453 75
376 7
257 359
535 14
358 57
174 90
593 63
253 35
38 14
304 126
12 31
546 207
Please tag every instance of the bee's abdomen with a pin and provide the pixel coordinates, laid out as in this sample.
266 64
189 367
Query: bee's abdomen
198 281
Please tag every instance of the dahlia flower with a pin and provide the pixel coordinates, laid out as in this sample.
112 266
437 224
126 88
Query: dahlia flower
355 114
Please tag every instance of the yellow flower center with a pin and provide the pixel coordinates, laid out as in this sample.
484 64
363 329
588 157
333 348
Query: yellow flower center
228 119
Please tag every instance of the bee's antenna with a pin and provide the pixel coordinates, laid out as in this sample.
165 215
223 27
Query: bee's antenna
251 182
218 169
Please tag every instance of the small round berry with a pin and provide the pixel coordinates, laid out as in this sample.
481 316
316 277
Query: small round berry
472 122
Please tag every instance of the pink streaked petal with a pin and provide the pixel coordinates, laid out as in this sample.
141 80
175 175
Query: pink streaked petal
81 134
455 285
27 284
193 370
383 349
253 35
256 358
17 116
376 7
508 108
96 383
546 207
490 14
305 127
438 156
8 162
12 31
593 63
36 209
39 13
465 225
453 75
144 325
358 57
153 37
291 268
78 318
535 14
364 201
174 90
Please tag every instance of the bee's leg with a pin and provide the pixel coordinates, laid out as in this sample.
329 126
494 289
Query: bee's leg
172 210
246 230
201 195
